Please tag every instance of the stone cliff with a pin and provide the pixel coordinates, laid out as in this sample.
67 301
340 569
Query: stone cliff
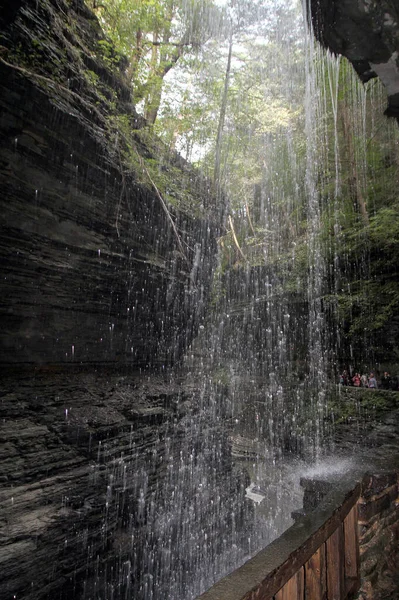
99 270
97 266
107 488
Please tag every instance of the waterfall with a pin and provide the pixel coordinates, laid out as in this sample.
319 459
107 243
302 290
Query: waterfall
175 474
259 367
315 145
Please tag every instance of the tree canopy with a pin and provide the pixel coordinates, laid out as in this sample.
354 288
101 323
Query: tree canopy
154 35
223 83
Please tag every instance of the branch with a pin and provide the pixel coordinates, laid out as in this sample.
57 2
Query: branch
176 44
165 208
236 240
249 219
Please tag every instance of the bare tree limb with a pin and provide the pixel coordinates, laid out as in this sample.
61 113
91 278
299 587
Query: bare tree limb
236 240
249 219
165 208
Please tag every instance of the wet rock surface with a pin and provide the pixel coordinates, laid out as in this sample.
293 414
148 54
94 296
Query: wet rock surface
378 512
93 270
369 433
367 33
57 438
95 476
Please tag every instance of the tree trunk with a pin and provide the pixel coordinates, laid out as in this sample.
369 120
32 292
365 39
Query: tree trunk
222 116
355 185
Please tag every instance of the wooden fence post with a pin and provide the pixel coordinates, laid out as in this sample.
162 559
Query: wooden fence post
352 558
335 564
315 575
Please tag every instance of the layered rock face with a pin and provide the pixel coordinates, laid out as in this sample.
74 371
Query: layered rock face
378 529
367 33
112 487
96 468
93 269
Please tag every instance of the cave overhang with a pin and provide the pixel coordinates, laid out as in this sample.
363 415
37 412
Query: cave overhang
366 32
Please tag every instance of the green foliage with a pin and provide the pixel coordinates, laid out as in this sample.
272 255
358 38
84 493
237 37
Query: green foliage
221 377
109 54
154 35
348 403
250 118
92 78
151 162
361 215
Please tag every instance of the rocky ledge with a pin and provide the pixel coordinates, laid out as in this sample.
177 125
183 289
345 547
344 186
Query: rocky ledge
95 475
367 33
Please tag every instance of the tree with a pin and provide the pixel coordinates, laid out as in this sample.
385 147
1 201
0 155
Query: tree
154 35
360 212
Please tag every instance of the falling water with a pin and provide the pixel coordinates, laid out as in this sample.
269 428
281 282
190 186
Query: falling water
352 136
316 276
231 464
208 475
219 480
260 366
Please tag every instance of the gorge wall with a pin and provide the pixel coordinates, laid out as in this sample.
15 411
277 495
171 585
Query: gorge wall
108 489
98 274
96 468
93 269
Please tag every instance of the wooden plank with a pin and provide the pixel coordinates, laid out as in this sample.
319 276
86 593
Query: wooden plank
266 573
352 558
335 563
294 588
315 576
276 578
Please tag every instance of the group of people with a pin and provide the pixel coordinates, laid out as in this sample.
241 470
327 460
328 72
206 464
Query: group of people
357 380
369 381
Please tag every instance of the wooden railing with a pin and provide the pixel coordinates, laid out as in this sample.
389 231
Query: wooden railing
316 559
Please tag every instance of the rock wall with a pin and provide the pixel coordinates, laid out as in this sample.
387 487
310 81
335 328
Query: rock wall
108 488
100 270
379 537
93 270
367 33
